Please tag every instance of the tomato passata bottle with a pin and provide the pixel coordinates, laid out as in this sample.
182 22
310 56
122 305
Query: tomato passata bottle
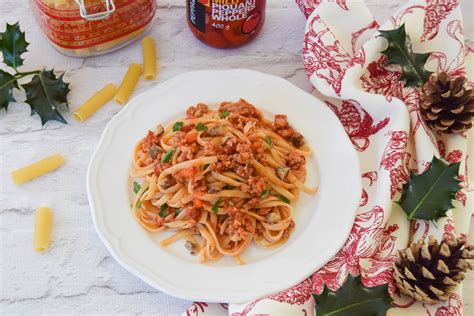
225 23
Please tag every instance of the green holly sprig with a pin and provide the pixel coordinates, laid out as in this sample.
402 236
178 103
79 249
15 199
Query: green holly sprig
429 195
45 91
353 298
399 52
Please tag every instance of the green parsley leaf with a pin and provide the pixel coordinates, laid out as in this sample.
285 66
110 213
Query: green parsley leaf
176 212
215 207
265 193
136 187
139 204
224 114
168 155
283 199
201 127
164 210
269 141
177 126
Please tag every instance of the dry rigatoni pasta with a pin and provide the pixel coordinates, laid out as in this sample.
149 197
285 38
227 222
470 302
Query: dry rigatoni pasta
128 84
43 227
149 58
37 169
94 103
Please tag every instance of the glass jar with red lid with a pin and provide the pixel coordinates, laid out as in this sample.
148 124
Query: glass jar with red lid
81 28
225 23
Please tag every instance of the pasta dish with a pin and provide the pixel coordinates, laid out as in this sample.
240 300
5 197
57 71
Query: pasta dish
220 179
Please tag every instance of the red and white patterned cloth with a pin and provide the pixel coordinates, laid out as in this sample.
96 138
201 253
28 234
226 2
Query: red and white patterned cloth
342 58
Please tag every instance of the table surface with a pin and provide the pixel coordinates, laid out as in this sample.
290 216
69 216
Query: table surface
78 275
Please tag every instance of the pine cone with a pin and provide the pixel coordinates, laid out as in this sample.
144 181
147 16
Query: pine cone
447 105
429 271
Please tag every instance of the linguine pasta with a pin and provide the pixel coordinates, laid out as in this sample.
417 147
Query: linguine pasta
220 180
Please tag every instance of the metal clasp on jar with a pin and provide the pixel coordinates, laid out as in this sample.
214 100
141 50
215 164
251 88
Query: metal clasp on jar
109 5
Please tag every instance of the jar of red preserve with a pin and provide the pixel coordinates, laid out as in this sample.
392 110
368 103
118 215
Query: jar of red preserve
225 23
81 28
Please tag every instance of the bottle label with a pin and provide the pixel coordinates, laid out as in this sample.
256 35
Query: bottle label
217 12
225 23
197 14
231 10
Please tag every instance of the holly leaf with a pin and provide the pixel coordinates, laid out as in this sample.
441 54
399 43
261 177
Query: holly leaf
13 45
399 51
429 195
7 84
45 93
353 298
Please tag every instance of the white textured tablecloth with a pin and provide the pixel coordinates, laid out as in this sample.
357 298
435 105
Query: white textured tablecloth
78 276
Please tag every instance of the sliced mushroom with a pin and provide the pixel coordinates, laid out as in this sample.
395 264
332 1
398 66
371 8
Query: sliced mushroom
282 172
167 182
154 150
217 130
273 218
190 246
159 130
297 139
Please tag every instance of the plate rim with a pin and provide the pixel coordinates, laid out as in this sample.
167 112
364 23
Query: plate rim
108 240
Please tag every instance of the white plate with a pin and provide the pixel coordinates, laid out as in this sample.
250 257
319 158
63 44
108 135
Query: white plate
323 221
